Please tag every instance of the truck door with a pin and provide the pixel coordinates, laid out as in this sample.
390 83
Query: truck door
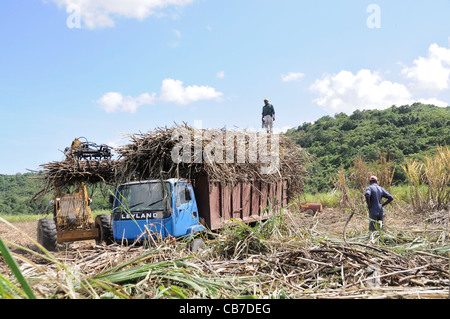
185 212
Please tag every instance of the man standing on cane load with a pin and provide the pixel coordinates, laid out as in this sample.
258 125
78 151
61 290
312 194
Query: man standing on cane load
268 116
373 195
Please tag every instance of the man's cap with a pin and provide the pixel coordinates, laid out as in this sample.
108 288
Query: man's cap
373 178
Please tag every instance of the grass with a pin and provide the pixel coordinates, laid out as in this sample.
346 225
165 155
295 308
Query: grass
326 199
21 218
434 172
226 269
10 290
401 195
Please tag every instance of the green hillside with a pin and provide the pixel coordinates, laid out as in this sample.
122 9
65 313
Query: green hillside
399 132
16 191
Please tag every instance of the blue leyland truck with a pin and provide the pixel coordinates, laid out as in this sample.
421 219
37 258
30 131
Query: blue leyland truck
181 209
155 208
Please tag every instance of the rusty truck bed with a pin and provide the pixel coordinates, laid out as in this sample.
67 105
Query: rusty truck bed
220 202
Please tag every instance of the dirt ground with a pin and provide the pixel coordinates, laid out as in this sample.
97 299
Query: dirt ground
15 236
24 233
331 221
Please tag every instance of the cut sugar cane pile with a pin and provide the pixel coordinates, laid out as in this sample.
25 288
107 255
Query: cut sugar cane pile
72 172
186 152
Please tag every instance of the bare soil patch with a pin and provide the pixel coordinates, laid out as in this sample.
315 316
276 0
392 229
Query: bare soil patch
24 233
331 221
18 236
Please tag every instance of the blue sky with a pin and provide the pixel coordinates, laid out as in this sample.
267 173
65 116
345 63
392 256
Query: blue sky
104 69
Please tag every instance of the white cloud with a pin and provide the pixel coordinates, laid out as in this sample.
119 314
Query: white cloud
292 76
174 91
281 130
220 74
346 92
100 13
434 101
432 72
177 33
115 102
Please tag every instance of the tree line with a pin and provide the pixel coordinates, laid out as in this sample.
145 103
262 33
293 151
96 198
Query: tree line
408 131
16 192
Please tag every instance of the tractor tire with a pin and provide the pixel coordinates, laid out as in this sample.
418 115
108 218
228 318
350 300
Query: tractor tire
103 223
46 233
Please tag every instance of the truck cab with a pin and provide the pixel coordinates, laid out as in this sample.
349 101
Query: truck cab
155 208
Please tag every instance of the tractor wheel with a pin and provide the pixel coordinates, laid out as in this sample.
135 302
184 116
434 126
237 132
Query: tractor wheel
46 233
103 223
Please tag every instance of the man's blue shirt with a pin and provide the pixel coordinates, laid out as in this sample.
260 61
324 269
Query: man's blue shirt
376 193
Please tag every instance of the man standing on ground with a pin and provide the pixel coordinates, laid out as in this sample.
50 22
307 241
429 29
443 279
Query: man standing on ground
374 194
268 116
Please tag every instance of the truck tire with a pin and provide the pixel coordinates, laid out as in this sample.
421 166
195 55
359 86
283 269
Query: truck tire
46 233
103 223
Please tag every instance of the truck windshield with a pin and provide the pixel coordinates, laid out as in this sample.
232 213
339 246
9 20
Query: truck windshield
143 197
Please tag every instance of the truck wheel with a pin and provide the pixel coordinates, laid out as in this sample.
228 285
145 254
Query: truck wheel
103 223
46 233
196 245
